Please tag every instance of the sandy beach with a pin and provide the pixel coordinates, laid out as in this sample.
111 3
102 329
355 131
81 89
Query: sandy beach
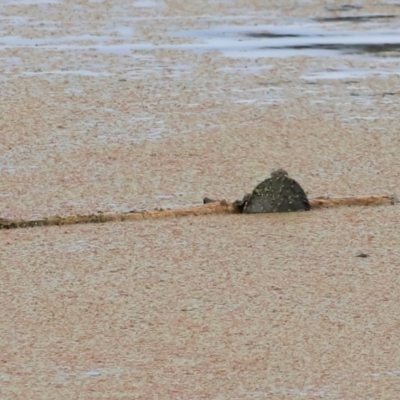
115 106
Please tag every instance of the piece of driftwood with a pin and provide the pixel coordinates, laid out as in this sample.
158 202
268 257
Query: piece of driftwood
328 202
211 207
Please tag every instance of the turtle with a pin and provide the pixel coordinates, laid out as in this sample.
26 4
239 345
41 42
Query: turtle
279 193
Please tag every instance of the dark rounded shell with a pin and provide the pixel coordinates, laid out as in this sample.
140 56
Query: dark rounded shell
277 194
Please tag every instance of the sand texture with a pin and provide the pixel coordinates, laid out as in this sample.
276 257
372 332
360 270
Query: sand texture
110 106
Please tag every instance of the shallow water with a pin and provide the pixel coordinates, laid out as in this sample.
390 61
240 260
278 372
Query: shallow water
119 105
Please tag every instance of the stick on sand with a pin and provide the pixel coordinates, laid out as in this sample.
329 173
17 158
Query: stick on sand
216 207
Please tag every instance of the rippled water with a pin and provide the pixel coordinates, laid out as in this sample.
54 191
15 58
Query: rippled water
348 31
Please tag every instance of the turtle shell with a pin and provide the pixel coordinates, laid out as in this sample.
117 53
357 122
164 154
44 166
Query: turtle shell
277 194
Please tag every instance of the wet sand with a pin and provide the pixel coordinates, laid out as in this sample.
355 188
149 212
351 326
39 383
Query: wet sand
212 307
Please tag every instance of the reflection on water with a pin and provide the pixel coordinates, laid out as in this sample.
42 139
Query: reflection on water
308 39
355 18
345 7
